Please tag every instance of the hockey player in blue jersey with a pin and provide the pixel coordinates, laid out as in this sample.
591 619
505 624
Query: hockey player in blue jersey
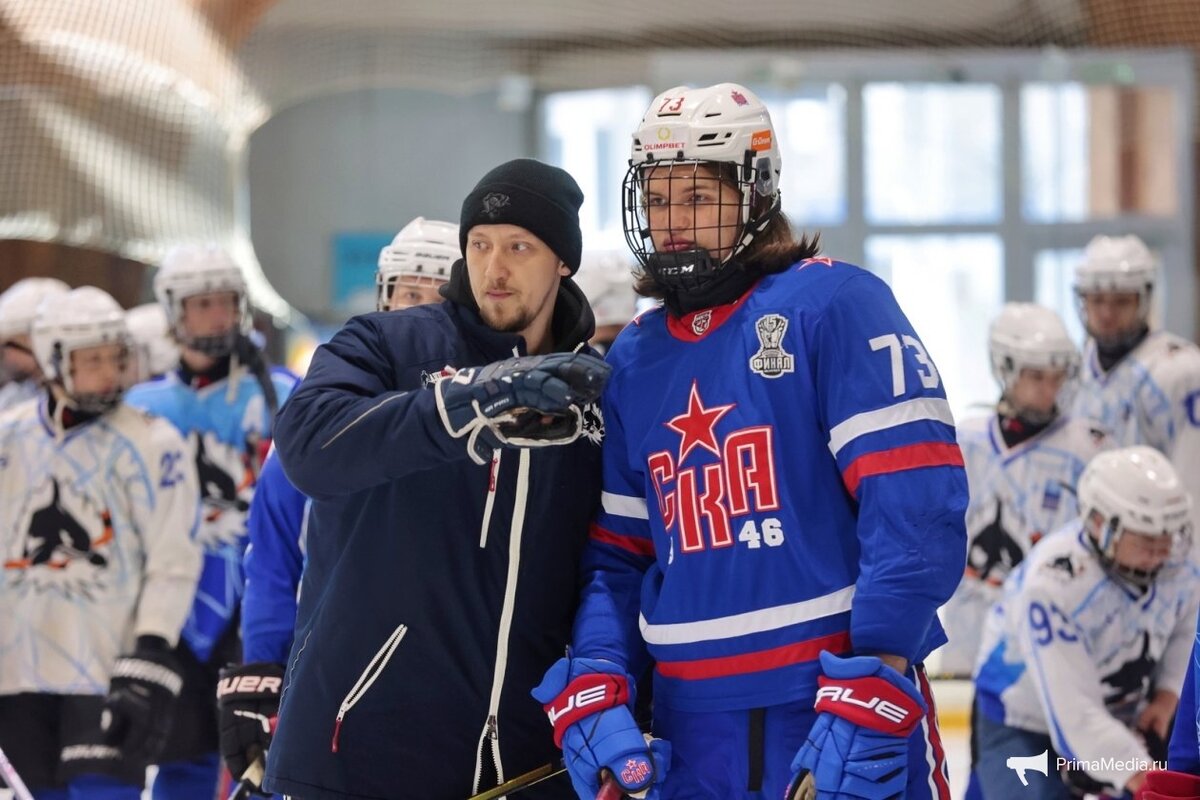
222 398
18 306
410 271
1141 385
1085 654
783 499
99 566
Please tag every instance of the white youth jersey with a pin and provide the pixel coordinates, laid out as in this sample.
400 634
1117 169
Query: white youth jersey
1072 652
1017 495
97 527
1151 397
14 393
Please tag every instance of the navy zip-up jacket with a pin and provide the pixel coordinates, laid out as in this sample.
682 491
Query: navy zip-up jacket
437 591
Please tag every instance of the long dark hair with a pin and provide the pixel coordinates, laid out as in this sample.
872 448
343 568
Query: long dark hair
773 250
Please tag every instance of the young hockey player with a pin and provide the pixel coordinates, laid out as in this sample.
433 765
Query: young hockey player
222 397
1022 466
100 565
154 350
411 270
1141 385
783 498
18 306
446 527
1085 655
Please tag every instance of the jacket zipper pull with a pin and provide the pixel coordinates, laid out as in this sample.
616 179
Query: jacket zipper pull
491 727
337 728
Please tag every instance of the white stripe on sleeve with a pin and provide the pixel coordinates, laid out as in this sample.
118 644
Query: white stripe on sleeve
931 408
764 619
622 505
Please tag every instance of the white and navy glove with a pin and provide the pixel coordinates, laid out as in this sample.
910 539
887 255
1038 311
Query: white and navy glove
531 401
141 699
858 746
248 707
588 702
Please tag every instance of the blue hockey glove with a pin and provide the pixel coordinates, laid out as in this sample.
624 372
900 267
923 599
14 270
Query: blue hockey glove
588 703
858 747
531 401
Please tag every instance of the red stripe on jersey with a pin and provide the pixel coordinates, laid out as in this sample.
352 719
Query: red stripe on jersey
898 459
937 751
724 666
634 544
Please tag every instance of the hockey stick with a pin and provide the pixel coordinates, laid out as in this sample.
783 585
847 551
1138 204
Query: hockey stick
251 779
19 789
609 789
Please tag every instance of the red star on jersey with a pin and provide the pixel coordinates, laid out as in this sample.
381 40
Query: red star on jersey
697 423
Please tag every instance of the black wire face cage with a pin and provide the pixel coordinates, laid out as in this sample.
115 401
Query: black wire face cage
91 402
677 204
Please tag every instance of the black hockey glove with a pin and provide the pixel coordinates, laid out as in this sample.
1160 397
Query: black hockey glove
531 401
248 699
141 699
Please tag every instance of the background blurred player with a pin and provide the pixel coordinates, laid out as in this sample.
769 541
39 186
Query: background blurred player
18 306
1141 385
99 563
222 397
154 351
1085 654
607 282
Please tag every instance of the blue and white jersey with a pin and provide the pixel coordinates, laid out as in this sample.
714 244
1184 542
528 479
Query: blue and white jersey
1071 652
1151 397
274 563
1018 495
14 393
227 428
96 526
781 477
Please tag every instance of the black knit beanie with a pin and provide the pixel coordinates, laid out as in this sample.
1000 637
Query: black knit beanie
542 199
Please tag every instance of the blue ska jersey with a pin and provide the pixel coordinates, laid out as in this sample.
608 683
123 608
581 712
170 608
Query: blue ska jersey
1184 753
1018 495
274 563
781 477
1073 653
227 429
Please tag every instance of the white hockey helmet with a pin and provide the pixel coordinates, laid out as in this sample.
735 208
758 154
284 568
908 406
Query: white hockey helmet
195 269
606 279
424 248
154 348
1118 264
1135 489
83 317
725 124
1029 336
19 304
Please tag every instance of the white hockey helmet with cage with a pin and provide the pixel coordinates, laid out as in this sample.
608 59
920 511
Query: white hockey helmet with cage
155 349
1030 336
1135 489
1118 264
424 248
196 269
725 124
81 318
19 304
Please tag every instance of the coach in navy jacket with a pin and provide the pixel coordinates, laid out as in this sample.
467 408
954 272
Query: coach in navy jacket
437 590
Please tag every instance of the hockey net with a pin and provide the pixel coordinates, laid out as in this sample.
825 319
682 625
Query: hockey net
124 123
